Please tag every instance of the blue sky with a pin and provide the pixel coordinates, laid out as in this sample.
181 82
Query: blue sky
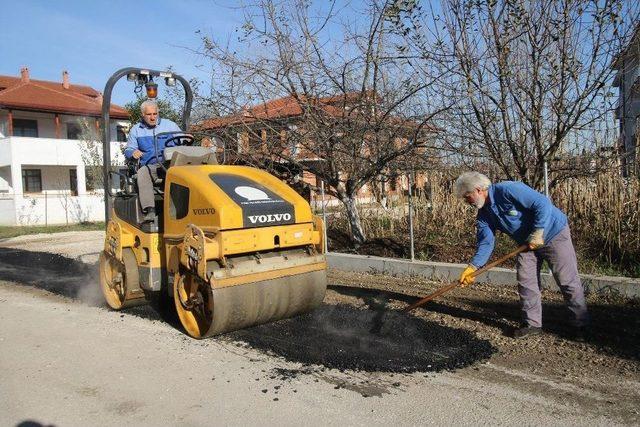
92 39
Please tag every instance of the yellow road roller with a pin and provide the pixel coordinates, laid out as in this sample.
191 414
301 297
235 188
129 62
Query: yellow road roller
232 245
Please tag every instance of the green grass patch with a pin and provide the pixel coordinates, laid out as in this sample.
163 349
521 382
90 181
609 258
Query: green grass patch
6 232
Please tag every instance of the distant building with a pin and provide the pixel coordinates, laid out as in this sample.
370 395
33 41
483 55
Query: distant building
271 123
627 112
43 179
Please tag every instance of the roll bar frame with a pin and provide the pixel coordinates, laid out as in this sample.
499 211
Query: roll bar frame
106 128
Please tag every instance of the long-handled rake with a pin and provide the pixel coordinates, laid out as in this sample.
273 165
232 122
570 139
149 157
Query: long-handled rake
455 284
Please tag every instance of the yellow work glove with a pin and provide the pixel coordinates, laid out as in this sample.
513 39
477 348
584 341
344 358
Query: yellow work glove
536 239
465 278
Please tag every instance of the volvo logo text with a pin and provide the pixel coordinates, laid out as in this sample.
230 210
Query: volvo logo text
204 211
262 219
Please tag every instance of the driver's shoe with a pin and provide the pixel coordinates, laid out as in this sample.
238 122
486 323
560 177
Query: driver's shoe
149 215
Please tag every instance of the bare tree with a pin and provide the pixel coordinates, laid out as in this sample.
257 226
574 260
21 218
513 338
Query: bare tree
525 74
348 109
90 146
91 153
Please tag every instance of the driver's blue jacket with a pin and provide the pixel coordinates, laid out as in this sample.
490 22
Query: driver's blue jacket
141 138
517 210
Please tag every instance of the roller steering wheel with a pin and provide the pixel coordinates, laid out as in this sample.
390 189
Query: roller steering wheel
178 139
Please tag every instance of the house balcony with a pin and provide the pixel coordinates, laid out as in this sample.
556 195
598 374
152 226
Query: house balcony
19 150
44 180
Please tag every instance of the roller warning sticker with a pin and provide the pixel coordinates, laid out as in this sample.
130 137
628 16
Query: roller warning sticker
260 206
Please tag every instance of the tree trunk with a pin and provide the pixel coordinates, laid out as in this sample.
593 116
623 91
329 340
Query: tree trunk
357 233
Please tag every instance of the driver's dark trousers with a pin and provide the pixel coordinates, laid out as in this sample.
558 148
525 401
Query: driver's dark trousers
146 176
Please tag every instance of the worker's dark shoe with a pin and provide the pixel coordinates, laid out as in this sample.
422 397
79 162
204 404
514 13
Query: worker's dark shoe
526 331
149 215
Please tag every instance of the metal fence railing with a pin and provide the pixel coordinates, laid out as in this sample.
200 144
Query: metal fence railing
320 208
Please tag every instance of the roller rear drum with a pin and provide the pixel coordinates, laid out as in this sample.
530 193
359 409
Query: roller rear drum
119 281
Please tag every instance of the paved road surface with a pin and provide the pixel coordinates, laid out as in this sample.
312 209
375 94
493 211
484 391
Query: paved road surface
70 362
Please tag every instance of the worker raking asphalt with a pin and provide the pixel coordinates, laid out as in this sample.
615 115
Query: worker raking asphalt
340 337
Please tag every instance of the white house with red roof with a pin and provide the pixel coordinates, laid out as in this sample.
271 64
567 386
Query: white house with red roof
43 178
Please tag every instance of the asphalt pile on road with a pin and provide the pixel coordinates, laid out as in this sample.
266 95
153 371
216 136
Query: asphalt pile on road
341 337
52 272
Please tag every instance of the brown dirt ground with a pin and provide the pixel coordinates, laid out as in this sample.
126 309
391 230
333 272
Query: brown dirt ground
550 363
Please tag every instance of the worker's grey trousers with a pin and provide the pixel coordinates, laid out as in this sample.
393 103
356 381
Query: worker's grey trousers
146 176
561 257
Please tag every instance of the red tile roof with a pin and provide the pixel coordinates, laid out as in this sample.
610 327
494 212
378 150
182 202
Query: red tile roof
41 95
279 108
289 106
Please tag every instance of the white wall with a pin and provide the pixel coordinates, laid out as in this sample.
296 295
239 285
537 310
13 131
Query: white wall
53 209
41 152
45 151
3 123
7 211
5 179
5 151
47 124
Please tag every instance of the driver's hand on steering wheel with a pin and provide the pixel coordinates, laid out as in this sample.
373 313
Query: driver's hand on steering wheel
137 154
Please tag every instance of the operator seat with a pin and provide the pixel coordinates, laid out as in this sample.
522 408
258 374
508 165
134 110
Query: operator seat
128 207
190 155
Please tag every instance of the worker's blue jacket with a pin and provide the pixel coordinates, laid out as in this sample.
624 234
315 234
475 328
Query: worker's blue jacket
141 138
517 210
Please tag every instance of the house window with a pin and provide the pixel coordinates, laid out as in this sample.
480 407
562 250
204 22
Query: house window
31 181
73 182
121 134
74 131
25 127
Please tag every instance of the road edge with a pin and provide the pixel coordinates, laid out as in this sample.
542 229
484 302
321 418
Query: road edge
624 287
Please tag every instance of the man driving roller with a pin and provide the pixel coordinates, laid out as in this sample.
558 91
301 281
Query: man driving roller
141 147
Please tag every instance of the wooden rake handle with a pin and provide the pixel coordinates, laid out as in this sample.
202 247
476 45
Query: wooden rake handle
455 284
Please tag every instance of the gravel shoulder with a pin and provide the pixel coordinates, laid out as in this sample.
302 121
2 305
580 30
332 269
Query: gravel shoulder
602 375
67 360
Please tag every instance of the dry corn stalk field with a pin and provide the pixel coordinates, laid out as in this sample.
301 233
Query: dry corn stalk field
603 211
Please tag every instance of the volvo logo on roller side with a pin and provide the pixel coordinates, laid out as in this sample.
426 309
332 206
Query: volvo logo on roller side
204 211
264 219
